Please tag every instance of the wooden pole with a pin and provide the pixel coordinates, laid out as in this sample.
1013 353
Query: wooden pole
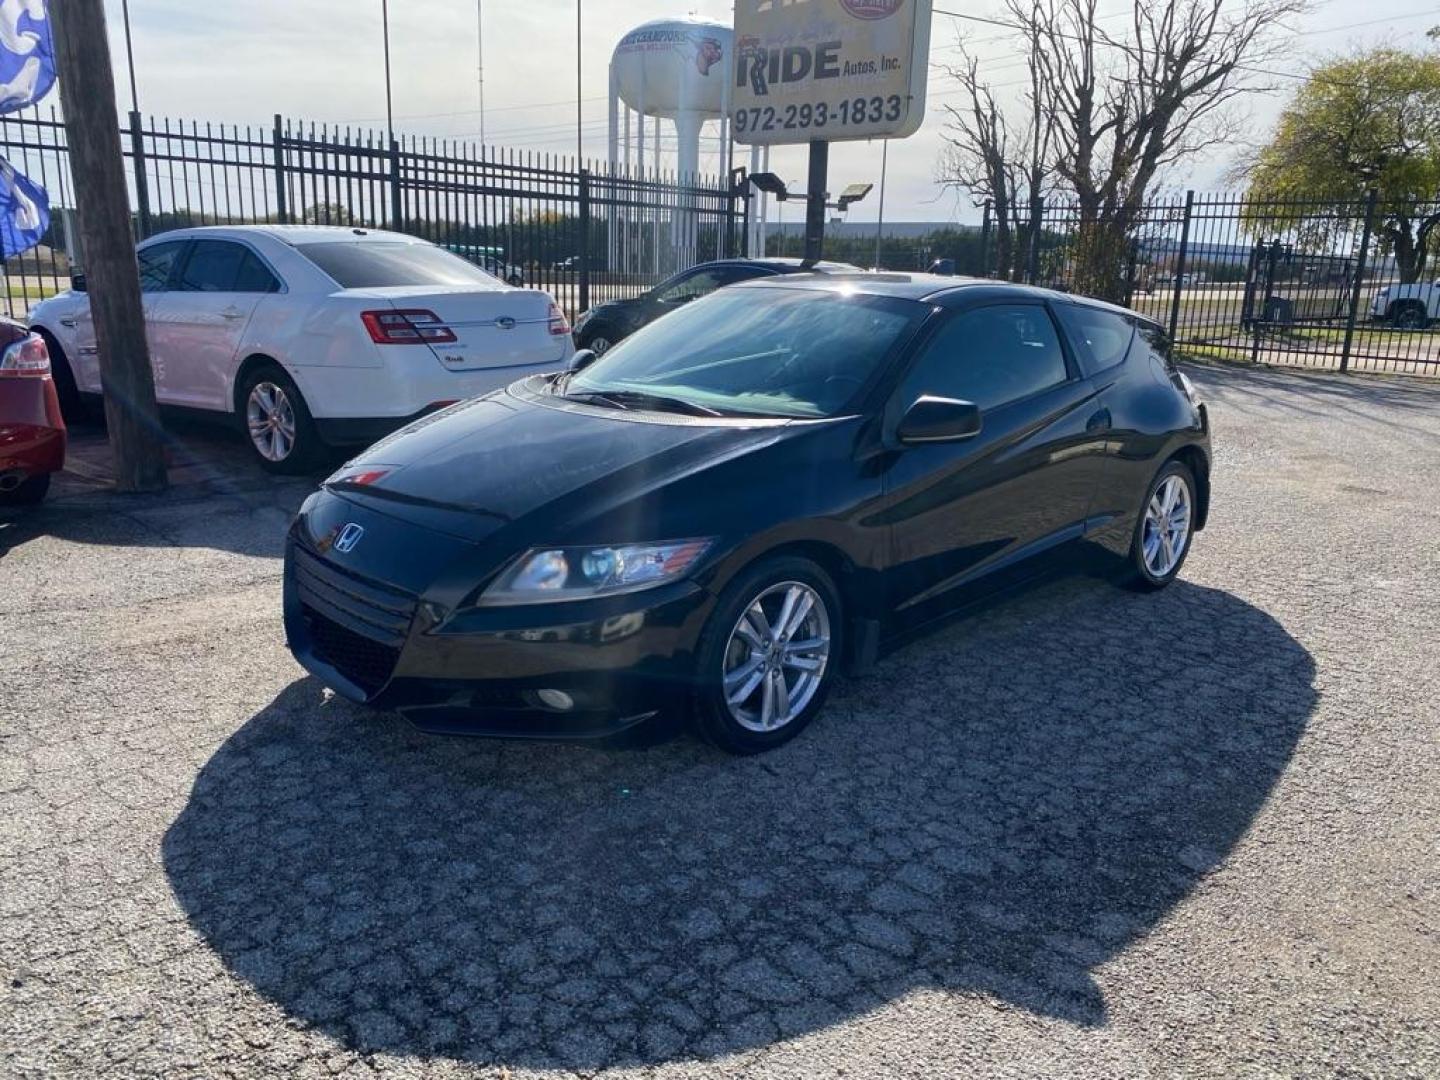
82 54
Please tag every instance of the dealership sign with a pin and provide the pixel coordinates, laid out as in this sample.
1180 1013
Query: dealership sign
829 69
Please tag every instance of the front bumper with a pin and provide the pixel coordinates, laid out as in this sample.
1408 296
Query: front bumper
478 671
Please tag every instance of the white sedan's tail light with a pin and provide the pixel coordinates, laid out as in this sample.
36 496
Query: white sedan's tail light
558 323
406 327
26 357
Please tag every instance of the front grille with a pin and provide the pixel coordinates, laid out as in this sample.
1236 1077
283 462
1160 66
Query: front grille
356 625
366 663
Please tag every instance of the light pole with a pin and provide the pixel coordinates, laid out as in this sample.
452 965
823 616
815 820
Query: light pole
389 110
579 138
480 61
130 57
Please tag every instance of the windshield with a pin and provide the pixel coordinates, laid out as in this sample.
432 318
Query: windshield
378 264
777 351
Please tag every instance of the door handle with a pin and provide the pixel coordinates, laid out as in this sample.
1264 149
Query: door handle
231 313
1100 421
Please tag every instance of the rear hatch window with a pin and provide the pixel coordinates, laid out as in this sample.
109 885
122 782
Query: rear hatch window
380 264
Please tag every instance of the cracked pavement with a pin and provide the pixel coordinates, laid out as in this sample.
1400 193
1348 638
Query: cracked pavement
1079 832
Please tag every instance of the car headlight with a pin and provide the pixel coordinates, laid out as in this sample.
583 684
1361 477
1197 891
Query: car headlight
547 575
1189 388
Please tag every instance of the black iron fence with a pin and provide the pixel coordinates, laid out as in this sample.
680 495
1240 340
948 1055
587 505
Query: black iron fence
1339 286
581 232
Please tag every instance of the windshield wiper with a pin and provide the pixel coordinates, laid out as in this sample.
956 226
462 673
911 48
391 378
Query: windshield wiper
595 397
661 402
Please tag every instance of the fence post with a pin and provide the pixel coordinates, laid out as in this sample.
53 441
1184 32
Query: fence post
142 188
282 211
397 209
985 242
1271 258
1032 260
1180 264
1370 199
584 252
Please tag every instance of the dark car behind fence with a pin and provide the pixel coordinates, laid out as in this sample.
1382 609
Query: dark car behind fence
1279 281
575 229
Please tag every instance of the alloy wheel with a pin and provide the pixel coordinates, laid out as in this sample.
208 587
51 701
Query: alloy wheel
775 659
599 344
270 418
1168 518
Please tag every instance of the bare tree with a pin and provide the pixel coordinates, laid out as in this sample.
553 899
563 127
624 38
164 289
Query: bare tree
1009 169
1118 109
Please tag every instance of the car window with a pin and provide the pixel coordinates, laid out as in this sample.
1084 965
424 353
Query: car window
990 356
211 267
381 264
224 266
156 264
692 287
781 352
255 276
1101 338
1158 342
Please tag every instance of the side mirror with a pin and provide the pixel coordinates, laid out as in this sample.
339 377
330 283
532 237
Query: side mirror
582 359
77 281
938 419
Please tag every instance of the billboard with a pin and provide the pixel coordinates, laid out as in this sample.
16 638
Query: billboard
829 69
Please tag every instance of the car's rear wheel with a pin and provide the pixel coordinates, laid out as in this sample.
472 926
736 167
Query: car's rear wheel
1409 316
27 492
1165 529
768 655
277 422
598 340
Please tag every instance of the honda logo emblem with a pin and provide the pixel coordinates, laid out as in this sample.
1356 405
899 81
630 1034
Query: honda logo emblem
348 537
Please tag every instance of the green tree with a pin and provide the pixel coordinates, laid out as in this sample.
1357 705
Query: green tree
1367 121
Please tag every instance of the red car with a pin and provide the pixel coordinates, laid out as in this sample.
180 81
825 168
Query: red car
32 435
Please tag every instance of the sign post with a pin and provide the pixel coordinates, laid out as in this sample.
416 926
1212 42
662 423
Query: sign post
818 71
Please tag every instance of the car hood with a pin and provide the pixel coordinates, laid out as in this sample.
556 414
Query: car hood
484 464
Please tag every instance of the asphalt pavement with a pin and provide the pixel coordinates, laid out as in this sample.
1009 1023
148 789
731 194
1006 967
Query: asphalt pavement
1081 832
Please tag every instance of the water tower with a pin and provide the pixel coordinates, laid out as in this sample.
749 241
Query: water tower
675 70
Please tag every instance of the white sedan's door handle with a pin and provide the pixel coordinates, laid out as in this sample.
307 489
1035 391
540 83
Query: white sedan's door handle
232 313
69 324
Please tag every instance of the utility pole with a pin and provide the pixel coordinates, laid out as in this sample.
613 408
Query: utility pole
82 54
130 57
480 61
389 108
880 221
815 202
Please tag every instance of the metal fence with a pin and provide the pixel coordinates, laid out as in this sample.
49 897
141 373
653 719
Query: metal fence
581 232
1292 282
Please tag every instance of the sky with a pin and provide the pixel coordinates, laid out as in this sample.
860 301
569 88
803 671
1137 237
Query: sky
322 61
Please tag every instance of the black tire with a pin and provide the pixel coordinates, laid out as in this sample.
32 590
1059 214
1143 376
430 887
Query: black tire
602 335
72 405
1139 575
1408 316
29 493
709 710
306 447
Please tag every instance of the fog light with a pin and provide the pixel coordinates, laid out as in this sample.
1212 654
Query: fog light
556 699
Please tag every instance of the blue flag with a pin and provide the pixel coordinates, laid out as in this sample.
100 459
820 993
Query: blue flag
24 211
27 53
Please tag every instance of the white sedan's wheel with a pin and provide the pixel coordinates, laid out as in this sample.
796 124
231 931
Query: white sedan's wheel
270 419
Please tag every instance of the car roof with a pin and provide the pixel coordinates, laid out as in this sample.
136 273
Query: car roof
942 289
290 234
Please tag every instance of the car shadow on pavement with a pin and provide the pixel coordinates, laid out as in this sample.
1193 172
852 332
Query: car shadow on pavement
1000 809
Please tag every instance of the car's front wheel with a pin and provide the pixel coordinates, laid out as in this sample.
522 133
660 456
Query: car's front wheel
1165 529
1409 316
277 422
768 655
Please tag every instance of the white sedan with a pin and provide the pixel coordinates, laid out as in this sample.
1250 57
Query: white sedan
310 335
